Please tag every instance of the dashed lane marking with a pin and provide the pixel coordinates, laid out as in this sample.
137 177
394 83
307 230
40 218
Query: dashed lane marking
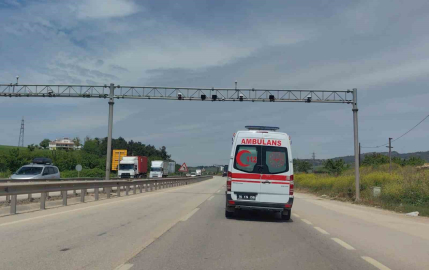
307 221
125 266
375 263
185 218
343 244
210 198
321 230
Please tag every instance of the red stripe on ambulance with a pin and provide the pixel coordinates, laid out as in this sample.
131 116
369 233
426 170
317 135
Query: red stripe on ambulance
262 177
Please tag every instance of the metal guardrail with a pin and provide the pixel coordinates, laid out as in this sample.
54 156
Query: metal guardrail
7 180
12 190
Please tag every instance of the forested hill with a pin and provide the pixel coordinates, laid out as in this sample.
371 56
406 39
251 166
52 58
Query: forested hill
351 159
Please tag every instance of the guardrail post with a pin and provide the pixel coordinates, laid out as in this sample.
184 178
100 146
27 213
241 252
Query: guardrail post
135 189
13 204
42 201
108 191
141 188
96 190
30 197
146 187
82 195
127 190
64 194
7 198
118 191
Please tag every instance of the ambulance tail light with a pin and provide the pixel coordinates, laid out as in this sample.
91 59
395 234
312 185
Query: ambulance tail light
228 181
291 177
291 189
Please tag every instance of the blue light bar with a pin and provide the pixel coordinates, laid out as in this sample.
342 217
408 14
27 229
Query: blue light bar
262 128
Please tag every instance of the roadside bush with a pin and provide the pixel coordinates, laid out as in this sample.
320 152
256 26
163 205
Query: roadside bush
96 172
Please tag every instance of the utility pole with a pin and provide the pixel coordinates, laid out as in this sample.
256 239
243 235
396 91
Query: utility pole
390 155
356 144
360 157
109 131
21 134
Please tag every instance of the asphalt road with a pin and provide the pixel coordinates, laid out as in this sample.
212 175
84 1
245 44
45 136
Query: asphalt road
185 228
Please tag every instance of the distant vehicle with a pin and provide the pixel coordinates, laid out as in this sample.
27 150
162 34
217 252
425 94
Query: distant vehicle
193 174
188 174
260 174
171 167
158 169
117 156
225 171
133 167
198 172
40 168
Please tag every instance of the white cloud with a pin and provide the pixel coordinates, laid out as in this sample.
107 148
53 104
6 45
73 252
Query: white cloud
100 9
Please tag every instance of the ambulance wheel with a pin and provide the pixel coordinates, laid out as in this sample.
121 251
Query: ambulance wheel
229 214
286 214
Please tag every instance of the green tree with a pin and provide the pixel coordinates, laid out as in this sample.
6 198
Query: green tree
92 146
301 165
163 153
335 166
14 160
31 147
375 159
415 161
45 143
76 141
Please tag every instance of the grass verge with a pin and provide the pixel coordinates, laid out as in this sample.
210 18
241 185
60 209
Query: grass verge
406 189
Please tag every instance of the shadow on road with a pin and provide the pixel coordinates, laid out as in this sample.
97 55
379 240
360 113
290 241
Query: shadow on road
259 216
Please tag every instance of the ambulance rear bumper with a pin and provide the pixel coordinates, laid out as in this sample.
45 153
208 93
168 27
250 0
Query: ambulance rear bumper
258 205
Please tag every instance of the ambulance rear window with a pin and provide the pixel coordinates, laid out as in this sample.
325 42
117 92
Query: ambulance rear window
246 158
275 159
261 159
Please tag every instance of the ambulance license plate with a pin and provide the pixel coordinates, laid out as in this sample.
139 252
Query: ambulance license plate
246 196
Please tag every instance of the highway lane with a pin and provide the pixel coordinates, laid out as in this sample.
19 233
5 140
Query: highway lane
185 228
322 234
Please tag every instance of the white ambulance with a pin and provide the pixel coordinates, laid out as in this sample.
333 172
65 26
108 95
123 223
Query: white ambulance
260 174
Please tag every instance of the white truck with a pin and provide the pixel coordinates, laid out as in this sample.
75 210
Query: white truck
159 169
133 167
198 172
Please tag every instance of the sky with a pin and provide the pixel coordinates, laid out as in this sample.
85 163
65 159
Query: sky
379 47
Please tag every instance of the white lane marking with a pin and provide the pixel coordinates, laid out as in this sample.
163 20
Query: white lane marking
343 244
185 218
218 191
125 266
375 263
210 198
307 221
295 215
321 230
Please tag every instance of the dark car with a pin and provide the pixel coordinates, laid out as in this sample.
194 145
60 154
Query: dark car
225 171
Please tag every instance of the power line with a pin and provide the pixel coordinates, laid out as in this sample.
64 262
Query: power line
401 135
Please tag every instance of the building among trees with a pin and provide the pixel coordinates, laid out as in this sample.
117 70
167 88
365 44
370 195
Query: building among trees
65 144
